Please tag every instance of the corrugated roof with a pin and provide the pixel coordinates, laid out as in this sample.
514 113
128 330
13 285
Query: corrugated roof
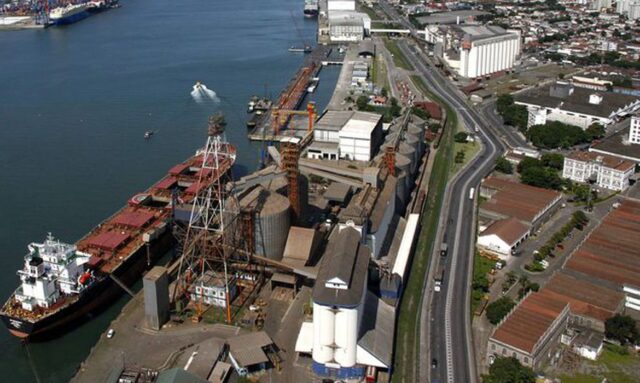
347 259
530 320
247 349
510 230
301 243
377 329
611 251
578 100
513 199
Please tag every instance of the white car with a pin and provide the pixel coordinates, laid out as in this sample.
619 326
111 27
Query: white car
111 333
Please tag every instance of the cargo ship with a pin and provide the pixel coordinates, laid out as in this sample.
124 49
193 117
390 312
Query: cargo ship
63 284
310 8
68 14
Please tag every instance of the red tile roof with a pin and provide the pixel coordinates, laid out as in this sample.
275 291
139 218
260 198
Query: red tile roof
531 319
608 161
611 251
510 230
432 108
513 199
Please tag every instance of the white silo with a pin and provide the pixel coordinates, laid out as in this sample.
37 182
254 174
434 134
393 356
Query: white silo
323 333
346 336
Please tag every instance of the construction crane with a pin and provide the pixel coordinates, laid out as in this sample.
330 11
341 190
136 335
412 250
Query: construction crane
281 116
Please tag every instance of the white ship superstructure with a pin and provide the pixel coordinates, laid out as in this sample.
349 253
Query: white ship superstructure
51 269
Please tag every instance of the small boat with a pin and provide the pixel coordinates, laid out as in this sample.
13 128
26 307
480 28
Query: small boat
252 104
305 49
148 134
313 84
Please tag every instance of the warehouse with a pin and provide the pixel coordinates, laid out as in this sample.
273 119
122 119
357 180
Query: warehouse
577 106
361 136
503 236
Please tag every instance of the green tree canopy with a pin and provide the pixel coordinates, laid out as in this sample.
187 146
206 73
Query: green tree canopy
461 137
508 370
554 134
504 166
362 102
553 160
541 177
528 162
622 328
595 131
499 309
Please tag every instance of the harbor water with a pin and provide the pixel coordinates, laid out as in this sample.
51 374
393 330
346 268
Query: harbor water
76 101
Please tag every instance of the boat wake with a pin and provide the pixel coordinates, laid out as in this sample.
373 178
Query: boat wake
202 94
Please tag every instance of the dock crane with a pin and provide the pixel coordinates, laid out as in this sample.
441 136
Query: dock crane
281 117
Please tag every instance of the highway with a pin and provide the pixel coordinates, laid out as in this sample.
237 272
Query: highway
509 134
445 330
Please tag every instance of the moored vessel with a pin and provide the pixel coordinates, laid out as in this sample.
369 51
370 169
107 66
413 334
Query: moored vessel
68 14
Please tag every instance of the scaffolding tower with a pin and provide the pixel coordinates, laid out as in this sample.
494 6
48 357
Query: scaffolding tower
290 154
211 232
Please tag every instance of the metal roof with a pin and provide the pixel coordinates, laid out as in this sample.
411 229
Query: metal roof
346 259
247 349
377 329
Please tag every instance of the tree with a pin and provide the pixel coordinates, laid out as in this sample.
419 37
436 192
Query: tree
423 114
595 131
435 127
504 166
621 328
581 192
528 162
460 137
395 107
459 157
384 92
553 160
499 309
508 370
555 134
580 219
362 102
541 177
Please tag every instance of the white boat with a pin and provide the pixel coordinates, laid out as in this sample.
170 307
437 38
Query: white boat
313 84
68 14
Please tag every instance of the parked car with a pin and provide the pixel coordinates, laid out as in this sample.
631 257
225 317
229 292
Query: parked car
111 333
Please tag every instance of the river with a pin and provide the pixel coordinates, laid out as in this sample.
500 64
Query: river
74 105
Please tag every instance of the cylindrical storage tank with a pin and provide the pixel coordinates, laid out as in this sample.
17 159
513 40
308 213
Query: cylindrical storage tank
323 333
419 133
394 128
271 225
346 332
391 137
414 142
409 152
404 178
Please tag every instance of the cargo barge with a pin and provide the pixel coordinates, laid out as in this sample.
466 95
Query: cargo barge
63 284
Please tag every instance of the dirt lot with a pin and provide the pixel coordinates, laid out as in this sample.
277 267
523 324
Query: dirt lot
534 76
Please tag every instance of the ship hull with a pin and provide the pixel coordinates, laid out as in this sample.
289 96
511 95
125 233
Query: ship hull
71 18
94 300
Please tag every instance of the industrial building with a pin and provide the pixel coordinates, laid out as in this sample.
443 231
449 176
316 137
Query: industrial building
347 135
634 130
475 50
529 204
608 172
156 297
574 105
502 237
351 327
345 25
531 332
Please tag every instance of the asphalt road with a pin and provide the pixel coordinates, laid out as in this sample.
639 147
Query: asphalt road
508 134
450 328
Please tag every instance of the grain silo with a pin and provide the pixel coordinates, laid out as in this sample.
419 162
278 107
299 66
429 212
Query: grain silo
409 152
271 220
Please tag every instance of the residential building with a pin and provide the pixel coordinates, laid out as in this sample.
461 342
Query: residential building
503 236
531 332
574 105
505 198
608 172
634 130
